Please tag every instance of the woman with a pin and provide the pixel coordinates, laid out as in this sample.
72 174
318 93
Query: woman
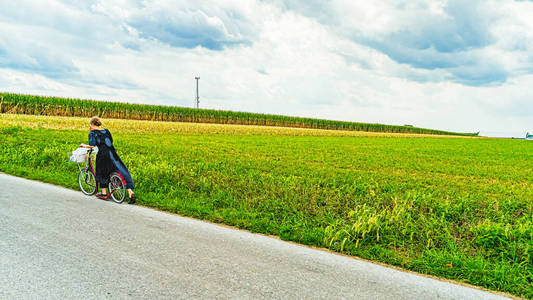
107 160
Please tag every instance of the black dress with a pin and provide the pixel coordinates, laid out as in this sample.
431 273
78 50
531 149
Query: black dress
107 159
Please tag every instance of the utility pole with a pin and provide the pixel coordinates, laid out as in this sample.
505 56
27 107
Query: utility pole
197 95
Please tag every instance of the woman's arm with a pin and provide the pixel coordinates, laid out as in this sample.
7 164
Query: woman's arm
92 141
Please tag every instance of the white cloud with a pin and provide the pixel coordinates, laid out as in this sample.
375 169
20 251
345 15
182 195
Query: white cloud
186 24
431 64
468 42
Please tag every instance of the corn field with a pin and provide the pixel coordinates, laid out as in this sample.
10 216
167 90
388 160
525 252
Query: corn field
55 106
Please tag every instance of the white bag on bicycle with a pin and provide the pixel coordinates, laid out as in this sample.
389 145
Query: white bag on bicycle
79 155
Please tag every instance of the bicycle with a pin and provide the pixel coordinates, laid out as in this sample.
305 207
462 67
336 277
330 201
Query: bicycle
89 185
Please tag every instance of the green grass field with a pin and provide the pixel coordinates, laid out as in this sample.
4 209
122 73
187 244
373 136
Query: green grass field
454 207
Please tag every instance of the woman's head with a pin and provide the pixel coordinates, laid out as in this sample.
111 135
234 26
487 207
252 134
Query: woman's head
96 122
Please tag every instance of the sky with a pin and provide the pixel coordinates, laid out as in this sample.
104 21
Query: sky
463 66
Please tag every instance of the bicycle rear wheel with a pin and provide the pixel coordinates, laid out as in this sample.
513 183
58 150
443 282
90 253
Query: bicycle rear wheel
87 182
117 188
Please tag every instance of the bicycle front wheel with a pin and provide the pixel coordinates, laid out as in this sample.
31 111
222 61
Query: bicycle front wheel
87 182
117 188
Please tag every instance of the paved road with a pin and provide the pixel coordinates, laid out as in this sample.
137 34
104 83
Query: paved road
58 244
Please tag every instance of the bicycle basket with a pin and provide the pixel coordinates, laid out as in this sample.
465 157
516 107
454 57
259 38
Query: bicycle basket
79 155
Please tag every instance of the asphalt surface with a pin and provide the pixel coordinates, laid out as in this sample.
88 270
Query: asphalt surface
59 244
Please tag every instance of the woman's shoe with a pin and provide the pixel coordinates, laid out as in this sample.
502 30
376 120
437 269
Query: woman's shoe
132 199
102 196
